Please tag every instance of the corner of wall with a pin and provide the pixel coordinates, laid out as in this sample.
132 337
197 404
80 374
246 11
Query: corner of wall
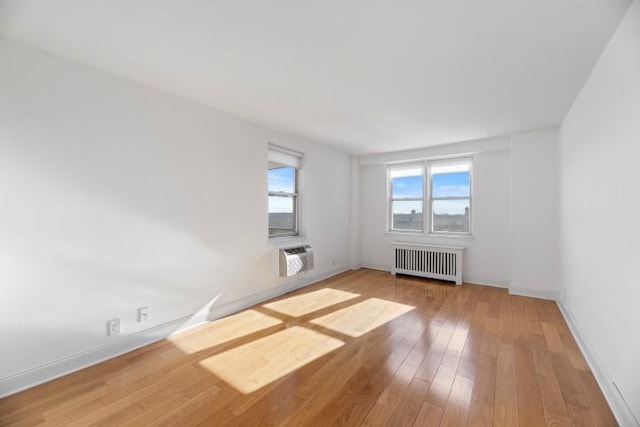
354 214
619 406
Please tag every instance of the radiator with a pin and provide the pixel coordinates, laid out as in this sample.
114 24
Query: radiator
296 260
436 262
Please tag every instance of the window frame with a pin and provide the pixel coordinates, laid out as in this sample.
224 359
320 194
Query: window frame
391 199
295 195
428 199
430 163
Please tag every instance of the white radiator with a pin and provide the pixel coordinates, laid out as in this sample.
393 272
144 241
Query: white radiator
436 262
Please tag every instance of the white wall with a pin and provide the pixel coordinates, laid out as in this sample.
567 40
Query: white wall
486 258
600 211
515 212
534 214
116 196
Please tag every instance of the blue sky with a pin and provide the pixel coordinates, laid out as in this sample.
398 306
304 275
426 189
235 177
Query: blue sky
407 186
455 184
451 184
281 179
444 185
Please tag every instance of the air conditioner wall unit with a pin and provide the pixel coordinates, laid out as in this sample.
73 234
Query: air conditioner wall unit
295 260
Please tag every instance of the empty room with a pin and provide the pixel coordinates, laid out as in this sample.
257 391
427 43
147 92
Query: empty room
290 213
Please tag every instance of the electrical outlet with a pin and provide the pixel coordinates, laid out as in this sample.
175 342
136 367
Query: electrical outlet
113 327
143 314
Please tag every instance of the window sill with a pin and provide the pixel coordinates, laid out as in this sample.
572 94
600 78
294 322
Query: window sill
452 236
285 241
469 237
406 233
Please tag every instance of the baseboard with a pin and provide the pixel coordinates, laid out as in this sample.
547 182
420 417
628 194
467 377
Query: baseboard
534 293
619 407
375 267
226 309
121 345
485 282
127 343
465 279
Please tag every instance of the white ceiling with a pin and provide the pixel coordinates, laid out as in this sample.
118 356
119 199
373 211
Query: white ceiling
364 75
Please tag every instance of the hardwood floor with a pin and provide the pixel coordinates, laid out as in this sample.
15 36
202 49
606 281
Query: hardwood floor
362 348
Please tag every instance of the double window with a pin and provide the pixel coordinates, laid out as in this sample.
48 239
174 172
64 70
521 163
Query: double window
283 192
441 188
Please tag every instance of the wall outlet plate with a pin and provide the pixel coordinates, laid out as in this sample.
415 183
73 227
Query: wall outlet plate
143 314
113 327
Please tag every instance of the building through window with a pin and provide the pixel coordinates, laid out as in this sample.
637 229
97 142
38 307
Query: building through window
441 188
283 192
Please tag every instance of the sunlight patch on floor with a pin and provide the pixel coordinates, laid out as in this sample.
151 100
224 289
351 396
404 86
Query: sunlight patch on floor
254 365
224 330
362 317
300 305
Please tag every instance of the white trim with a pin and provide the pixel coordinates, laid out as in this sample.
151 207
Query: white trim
422 166
428 224
503 284
226 309
534 293
463 148
284 156
66 365
426 167
619 407
400 232
471 280
127 343
378 267
286 241
433 236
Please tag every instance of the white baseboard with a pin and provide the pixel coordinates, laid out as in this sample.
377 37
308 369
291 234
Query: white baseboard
621 410
226 309
485 282
465 279
375 267
127 343
121 345
534 293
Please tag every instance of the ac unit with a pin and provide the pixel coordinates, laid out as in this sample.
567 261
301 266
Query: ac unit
295 260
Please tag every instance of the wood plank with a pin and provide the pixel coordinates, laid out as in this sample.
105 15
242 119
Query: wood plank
597 402
359 395
411 404
551 336
530 407
569 380
455 412
412 352
429 415
505 411
550 392
480 415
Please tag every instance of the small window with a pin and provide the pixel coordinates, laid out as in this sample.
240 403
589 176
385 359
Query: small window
406 190
283 192
450 196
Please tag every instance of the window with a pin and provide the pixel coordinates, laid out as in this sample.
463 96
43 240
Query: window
407 197
283 192
448 197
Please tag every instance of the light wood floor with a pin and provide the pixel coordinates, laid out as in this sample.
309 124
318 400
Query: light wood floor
362 348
